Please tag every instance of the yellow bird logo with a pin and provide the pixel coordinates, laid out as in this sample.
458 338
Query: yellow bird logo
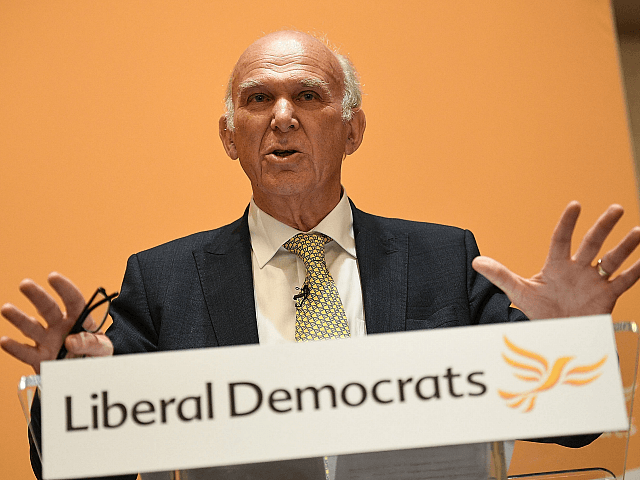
535 368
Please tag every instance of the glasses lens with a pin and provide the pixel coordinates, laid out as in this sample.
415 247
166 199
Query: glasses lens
99 312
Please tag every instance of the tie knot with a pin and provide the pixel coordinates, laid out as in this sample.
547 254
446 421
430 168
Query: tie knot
308 246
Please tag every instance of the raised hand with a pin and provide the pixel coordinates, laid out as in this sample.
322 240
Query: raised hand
48 338
571 285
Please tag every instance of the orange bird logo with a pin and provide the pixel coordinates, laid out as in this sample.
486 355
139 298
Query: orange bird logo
534 368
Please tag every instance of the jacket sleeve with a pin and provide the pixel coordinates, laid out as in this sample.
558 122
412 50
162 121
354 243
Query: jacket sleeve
133 329
35 430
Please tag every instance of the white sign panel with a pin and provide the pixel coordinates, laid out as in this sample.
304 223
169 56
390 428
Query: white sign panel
223 406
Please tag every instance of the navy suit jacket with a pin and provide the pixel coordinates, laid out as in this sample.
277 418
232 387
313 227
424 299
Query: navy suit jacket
197 291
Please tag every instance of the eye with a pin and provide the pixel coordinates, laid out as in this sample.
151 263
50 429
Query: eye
308 96
257 97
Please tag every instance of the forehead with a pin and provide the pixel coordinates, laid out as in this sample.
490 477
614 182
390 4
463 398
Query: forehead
287 58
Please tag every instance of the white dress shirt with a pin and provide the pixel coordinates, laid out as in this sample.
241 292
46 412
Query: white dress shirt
278 273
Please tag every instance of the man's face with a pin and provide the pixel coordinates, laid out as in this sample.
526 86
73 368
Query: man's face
289 134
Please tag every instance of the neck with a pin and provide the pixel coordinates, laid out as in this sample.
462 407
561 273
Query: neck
302 212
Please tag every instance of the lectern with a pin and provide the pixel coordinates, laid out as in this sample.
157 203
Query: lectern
399 406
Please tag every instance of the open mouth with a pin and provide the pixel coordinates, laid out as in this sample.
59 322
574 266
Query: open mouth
283 153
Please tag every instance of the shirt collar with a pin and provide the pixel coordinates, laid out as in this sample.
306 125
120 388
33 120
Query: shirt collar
268 234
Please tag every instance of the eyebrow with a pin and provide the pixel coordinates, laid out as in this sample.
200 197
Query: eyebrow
249 84
315 82
307 82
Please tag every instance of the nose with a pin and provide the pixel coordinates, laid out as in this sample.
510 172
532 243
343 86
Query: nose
284 118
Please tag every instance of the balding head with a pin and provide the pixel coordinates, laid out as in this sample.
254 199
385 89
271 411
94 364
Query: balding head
287 41
290 129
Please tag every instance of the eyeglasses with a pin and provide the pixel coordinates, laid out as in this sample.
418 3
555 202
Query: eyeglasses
98 307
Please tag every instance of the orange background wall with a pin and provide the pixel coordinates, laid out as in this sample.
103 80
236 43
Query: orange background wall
483 114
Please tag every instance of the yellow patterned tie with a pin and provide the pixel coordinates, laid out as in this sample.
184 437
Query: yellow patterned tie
320 315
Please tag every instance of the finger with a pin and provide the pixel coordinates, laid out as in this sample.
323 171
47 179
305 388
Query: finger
45 304
597 234
95 325
612 260
89 344
90 325
29 326
560 246
626 279
25 353
70 294
497 274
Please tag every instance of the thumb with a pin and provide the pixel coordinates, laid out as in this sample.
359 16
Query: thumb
89 344
498 274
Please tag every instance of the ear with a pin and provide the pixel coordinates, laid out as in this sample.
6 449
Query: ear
226 135
357 124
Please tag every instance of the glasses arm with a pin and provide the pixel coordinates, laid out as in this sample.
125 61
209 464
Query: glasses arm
86 311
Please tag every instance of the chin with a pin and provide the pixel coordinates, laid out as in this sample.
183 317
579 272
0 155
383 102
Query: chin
286 190
286 185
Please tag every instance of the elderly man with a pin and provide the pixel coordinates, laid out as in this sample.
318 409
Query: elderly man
293 114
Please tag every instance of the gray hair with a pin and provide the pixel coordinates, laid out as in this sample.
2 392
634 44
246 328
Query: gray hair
351 98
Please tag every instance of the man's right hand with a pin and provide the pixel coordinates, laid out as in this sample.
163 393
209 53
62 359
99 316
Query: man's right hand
48 338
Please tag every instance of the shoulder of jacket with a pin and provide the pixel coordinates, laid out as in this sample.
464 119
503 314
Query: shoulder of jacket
191 242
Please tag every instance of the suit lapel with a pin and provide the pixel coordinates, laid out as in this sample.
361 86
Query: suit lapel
226 277
382 261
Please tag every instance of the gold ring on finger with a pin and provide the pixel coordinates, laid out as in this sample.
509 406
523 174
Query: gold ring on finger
601 271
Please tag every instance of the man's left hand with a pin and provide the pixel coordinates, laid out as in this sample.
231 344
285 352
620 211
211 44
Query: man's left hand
567 285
